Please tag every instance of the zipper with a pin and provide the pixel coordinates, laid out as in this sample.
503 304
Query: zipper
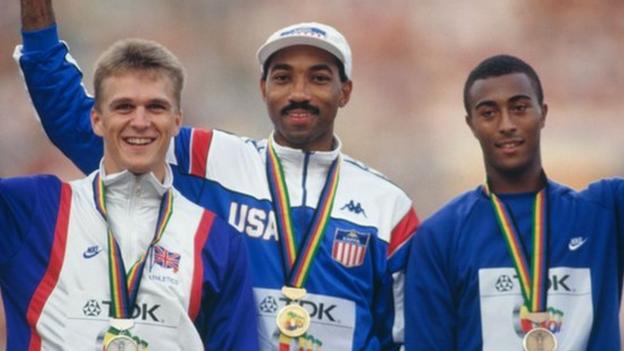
304 178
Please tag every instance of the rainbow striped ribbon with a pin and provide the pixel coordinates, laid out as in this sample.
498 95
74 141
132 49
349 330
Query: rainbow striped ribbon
297 264
124 287
532 280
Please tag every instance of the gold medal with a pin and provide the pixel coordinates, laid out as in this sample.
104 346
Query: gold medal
293 320
539 339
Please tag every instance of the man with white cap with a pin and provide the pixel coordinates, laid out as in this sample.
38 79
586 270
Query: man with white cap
325 233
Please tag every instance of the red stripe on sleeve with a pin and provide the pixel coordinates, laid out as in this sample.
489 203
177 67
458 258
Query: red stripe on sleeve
200 146
50 278
403 231
201 236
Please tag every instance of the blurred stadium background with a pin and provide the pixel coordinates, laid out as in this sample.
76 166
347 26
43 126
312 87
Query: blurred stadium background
410 59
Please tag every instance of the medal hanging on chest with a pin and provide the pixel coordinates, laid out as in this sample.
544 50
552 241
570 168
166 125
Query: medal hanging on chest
293 320
533 278
124 287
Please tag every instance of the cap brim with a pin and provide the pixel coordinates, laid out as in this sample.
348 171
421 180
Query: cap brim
270 48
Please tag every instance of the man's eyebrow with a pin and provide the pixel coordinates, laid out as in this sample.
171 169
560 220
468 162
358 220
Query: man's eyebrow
283 66
487 103
321 67
515 98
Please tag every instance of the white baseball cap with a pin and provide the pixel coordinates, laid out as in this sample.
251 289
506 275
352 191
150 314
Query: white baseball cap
311 33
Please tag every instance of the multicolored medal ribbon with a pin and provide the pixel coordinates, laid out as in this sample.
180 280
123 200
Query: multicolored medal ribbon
533 278
293 320
124 287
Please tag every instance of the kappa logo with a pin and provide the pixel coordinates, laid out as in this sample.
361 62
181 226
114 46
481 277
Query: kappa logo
354 207
576 243
91 251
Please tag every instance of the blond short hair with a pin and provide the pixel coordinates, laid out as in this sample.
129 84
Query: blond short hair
132 54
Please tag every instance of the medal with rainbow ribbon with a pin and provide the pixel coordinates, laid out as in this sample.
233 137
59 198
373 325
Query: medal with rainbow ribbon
293 320
124 287
533 277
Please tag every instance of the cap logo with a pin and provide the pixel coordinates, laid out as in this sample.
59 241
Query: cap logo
305 31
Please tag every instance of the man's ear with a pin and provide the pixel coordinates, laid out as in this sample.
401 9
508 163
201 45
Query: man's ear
345 93
96 122
178 122
544 113
468 120
263 88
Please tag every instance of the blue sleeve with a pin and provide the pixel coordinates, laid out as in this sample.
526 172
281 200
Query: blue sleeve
430 318
383 304
230 313
54 83
610 193
19 201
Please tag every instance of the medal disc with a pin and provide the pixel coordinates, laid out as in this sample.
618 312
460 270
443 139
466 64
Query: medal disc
539 339
293 320
121 343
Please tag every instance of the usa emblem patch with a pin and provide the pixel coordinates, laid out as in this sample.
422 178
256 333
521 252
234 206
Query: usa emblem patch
349 247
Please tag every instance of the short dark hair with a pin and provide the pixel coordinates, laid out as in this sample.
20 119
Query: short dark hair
341 69
501 65
138 55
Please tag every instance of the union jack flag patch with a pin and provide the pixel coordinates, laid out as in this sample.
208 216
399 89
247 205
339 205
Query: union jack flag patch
349 247
165 259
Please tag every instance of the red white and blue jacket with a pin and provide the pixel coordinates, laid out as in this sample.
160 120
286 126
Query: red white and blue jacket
354 296
195 294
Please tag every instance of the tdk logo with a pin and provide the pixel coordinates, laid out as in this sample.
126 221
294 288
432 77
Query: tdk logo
142 311
255 222
556 283
320 311
354 207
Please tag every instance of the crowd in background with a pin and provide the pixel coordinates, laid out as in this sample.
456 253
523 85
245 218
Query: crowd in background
411 58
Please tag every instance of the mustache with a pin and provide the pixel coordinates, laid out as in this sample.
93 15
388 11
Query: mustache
301 106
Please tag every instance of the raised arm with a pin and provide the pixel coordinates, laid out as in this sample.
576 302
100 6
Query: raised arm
54 83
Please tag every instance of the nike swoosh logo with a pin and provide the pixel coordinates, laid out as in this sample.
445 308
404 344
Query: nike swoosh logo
575 243
90 254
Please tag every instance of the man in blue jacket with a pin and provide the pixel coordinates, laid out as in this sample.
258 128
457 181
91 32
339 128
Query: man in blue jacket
120 260
520 261
325 233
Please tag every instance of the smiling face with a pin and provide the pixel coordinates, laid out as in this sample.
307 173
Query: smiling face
303 92
137 116
506 117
